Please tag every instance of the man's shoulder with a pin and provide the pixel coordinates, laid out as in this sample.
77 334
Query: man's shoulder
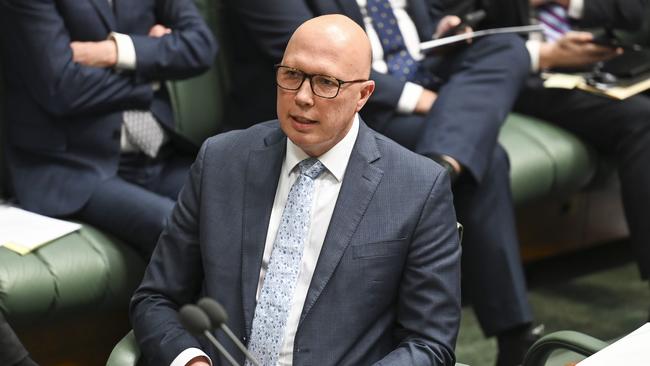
248 139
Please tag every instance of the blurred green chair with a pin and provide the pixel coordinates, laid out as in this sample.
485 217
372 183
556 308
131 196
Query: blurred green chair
562 348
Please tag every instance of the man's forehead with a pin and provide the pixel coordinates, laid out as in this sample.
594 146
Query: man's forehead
322 62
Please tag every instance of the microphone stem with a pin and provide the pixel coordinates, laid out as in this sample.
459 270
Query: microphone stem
236 341
220 348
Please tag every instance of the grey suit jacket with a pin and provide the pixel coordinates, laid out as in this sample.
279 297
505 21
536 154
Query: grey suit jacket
386 288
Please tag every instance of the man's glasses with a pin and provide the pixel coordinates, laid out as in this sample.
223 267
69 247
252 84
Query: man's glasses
323 86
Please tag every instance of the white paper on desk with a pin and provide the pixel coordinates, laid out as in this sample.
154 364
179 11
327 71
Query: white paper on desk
23 231
428 45
631 350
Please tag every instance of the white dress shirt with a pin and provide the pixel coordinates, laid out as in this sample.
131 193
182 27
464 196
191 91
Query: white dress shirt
411 92
326 192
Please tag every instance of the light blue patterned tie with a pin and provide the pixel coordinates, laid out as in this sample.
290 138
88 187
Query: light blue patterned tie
272 309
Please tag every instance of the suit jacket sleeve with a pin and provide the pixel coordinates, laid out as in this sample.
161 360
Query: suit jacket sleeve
428 307
620 14
40 42
187 51
173 278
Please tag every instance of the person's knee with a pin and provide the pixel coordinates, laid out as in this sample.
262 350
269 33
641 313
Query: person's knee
510 48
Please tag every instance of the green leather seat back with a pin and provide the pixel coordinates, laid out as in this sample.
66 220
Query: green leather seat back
198 103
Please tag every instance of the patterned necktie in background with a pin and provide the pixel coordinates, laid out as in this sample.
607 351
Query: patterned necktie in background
272 309
144 132
554 19
399 60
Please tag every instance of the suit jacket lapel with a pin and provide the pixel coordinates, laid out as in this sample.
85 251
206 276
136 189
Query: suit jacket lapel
106 12
262 175
359 184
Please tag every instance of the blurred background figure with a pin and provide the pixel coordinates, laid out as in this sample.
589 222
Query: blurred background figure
89 122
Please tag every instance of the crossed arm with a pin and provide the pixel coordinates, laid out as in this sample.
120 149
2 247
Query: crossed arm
56 70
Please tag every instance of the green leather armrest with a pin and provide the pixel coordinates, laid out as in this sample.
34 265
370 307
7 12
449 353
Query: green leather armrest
568 340
125 353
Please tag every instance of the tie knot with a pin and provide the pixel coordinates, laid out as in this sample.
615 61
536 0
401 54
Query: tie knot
311 167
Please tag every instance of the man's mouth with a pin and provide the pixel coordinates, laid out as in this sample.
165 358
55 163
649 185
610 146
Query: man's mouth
302 120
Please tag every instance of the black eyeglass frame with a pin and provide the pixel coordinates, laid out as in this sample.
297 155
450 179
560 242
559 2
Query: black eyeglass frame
311 84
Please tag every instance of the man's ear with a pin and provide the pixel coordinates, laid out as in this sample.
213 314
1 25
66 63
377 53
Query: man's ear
366 91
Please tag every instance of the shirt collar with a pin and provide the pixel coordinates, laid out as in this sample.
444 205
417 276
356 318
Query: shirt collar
335 159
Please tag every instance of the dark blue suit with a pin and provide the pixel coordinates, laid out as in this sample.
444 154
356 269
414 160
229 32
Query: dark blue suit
64 119
386 287
481 83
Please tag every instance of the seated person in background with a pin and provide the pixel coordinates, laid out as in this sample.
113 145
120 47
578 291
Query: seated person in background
90 126
357 262
449 108
620 128
12 351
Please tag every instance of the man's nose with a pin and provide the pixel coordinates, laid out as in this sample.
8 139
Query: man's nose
304 95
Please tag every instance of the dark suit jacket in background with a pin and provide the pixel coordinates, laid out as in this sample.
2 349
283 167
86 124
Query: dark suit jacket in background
266 26
386 285
64 119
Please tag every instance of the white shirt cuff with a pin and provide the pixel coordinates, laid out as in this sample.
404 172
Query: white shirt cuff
125 51
409 98
576 9
187 355
533 47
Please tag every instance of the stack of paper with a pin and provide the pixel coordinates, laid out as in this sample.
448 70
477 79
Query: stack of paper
23 231
631 350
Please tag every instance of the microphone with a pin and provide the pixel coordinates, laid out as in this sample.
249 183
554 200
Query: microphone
218 317
197 322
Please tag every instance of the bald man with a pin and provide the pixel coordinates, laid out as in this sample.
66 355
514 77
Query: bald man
326 243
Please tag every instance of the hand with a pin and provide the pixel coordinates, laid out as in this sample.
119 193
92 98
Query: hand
427 98
574 49
95 54
447 23
199 361
159 30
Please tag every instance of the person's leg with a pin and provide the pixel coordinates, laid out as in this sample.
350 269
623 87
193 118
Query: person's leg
12 351
128 211
617 128
481 83
493 276
135 205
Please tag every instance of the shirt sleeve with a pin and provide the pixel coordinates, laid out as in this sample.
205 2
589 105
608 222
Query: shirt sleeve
187 355
576 9
409 98
533 47
126 59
